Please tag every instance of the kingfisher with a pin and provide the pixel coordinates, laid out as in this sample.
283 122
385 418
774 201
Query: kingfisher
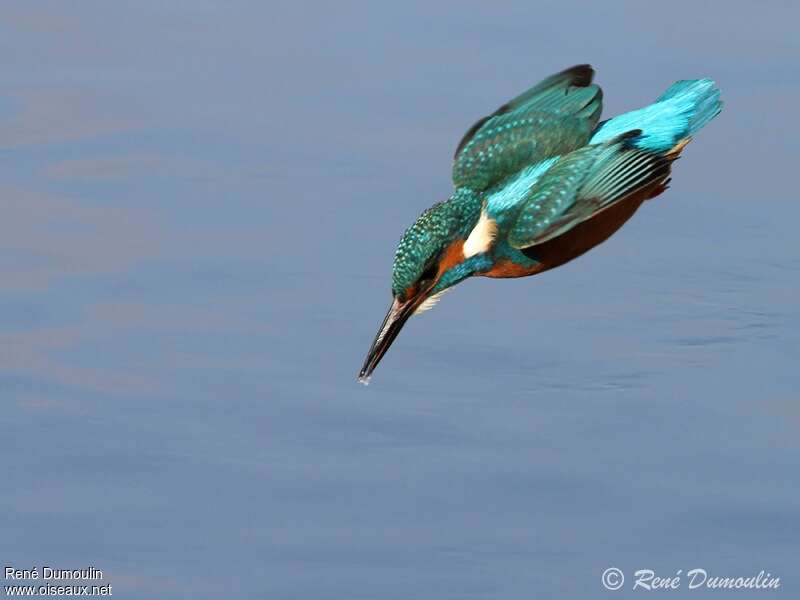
538 182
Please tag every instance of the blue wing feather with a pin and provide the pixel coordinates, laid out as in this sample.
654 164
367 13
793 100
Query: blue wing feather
680 112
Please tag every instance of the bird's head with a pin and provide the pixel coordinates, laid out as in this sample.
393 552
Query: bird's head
447 244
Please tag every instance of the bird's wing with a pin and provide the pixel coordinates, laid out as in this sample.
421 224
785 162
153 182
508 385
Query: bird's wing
581 184
554 117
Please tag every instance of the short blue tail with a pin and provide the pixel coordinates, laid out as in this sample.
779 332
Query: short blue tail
680 112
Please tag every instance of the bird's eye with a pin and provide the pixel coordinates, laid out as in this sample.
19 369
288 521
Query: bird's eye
429 274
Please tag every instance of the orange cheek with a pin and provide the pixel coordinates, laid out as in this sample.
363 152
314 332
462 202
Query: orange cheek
453 255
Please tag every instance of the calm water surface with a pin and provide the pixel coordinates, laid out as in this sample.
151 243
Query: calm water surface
200 207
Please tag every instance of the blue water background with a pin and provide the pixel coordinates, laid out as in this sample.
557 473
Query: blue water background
200 206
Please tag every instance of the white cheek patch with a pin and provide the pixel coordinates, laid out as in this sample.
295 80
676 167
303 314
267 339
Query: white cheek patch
482 236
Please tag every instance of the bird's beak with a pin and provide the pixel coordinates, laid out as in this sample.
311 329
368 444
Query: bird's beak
398 314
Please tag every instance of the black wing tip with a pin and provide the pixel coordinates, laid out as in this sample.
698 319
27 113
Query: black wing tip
627 139
579 75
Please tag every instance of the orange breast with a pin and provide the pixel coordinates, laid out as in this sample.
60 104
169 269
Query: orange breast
581 238
505 268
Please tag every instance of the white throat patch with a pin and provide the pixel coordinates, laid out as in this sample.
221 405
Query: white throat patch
482 236
430 302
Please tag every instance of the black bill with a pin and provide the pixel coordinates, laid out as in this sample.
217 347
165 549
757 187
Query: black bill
398 314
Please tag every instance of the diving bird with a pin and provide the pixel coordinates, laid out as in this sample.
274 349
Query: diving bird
537 183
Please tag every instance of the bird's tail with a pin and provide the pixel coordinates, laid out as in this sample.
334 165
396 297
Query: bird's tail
680 112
